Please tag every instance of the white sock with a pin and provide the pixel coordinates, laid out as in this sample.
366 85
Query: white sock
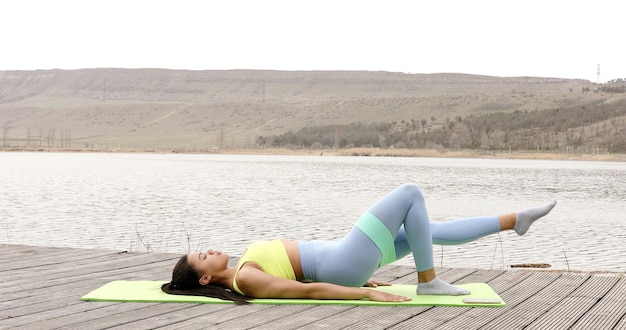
526 217
439 287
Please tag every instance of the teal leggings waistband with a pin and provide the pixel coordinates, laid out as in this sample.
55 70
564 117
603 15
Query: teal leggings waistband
380 235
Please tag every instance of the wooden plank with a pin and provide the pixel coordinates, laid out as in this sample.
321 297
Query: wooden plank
61 310
329 317
44 287
309 317
392 272
520 284
389 316
36 301
226 315
569 310
378 317
58 269
119 316
609 311
448 275
68 267
455 275
261 319
182 319
621 325
60 295
47 261
410 275
475 276
29 257
24 252
535 305
360 318
57 297
47 300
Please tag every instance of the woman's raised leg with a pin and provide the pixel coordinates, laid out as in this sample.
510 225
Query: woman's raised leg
403 212
469 229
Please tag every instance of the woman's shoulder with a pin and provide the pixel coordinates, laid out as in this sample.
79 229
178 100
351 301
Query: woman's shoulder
250 277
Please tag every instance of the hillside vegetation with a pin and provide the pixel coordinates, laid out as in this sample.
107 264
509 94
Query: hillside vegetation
207 110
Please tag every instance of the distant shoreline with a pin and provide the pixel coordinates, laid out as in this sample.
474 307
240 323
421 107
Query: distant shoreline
353 152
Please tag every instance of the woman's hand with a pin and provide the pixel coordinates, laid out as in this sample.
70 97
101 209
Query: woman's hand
376 295
373 283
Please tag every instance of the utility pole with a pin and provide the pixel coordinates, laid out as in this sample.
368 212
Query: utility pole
263 91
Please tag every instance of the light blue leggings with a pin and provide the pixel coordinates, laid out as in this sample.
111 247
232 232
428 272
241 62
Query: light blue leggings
352 260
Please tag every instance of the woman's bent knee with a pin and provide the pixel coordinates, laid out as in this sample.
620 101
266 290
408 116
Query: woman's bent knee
412 191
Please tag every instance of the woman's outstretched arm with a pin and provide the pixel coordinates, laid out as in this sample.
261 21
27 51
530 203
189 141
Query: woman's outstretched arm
257 284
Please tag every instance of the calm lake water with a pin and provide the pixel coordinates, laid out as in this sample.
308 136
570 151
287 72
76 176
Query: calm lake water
179 203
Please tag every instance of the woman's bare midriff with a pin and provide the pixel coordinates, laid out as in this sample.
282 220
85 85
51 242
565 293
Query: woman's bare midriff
293 253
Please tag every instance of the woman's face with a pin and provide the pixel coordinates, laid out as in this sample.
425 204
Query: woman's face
209 262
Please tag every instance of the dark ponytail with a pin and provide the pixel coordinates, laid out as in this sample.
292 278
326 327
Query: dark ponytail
185 281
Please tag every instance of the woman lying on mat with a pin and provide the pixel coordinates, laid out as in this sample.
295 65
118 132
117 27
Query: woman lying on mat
393 227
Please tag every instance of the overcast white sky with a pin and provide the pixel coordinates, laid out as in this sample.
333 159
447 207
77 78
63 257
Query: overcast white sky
545 38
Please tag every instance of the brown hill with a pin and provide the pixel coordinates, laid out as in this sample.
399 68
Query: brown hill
155 108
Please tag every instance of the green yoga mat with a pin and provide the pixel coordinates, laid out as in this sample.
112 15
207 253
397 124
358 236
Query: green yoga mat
150 291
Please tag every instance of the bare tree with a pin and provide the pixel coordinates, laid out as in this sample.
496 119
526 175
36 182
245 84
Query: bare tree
51 132
5 131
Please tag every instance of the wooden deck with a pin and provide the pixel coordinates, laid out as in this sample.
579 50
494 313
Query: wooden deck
40 288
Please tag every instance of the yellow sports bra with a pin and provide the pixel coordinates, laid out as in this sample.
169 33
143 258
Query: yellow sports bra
271 256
